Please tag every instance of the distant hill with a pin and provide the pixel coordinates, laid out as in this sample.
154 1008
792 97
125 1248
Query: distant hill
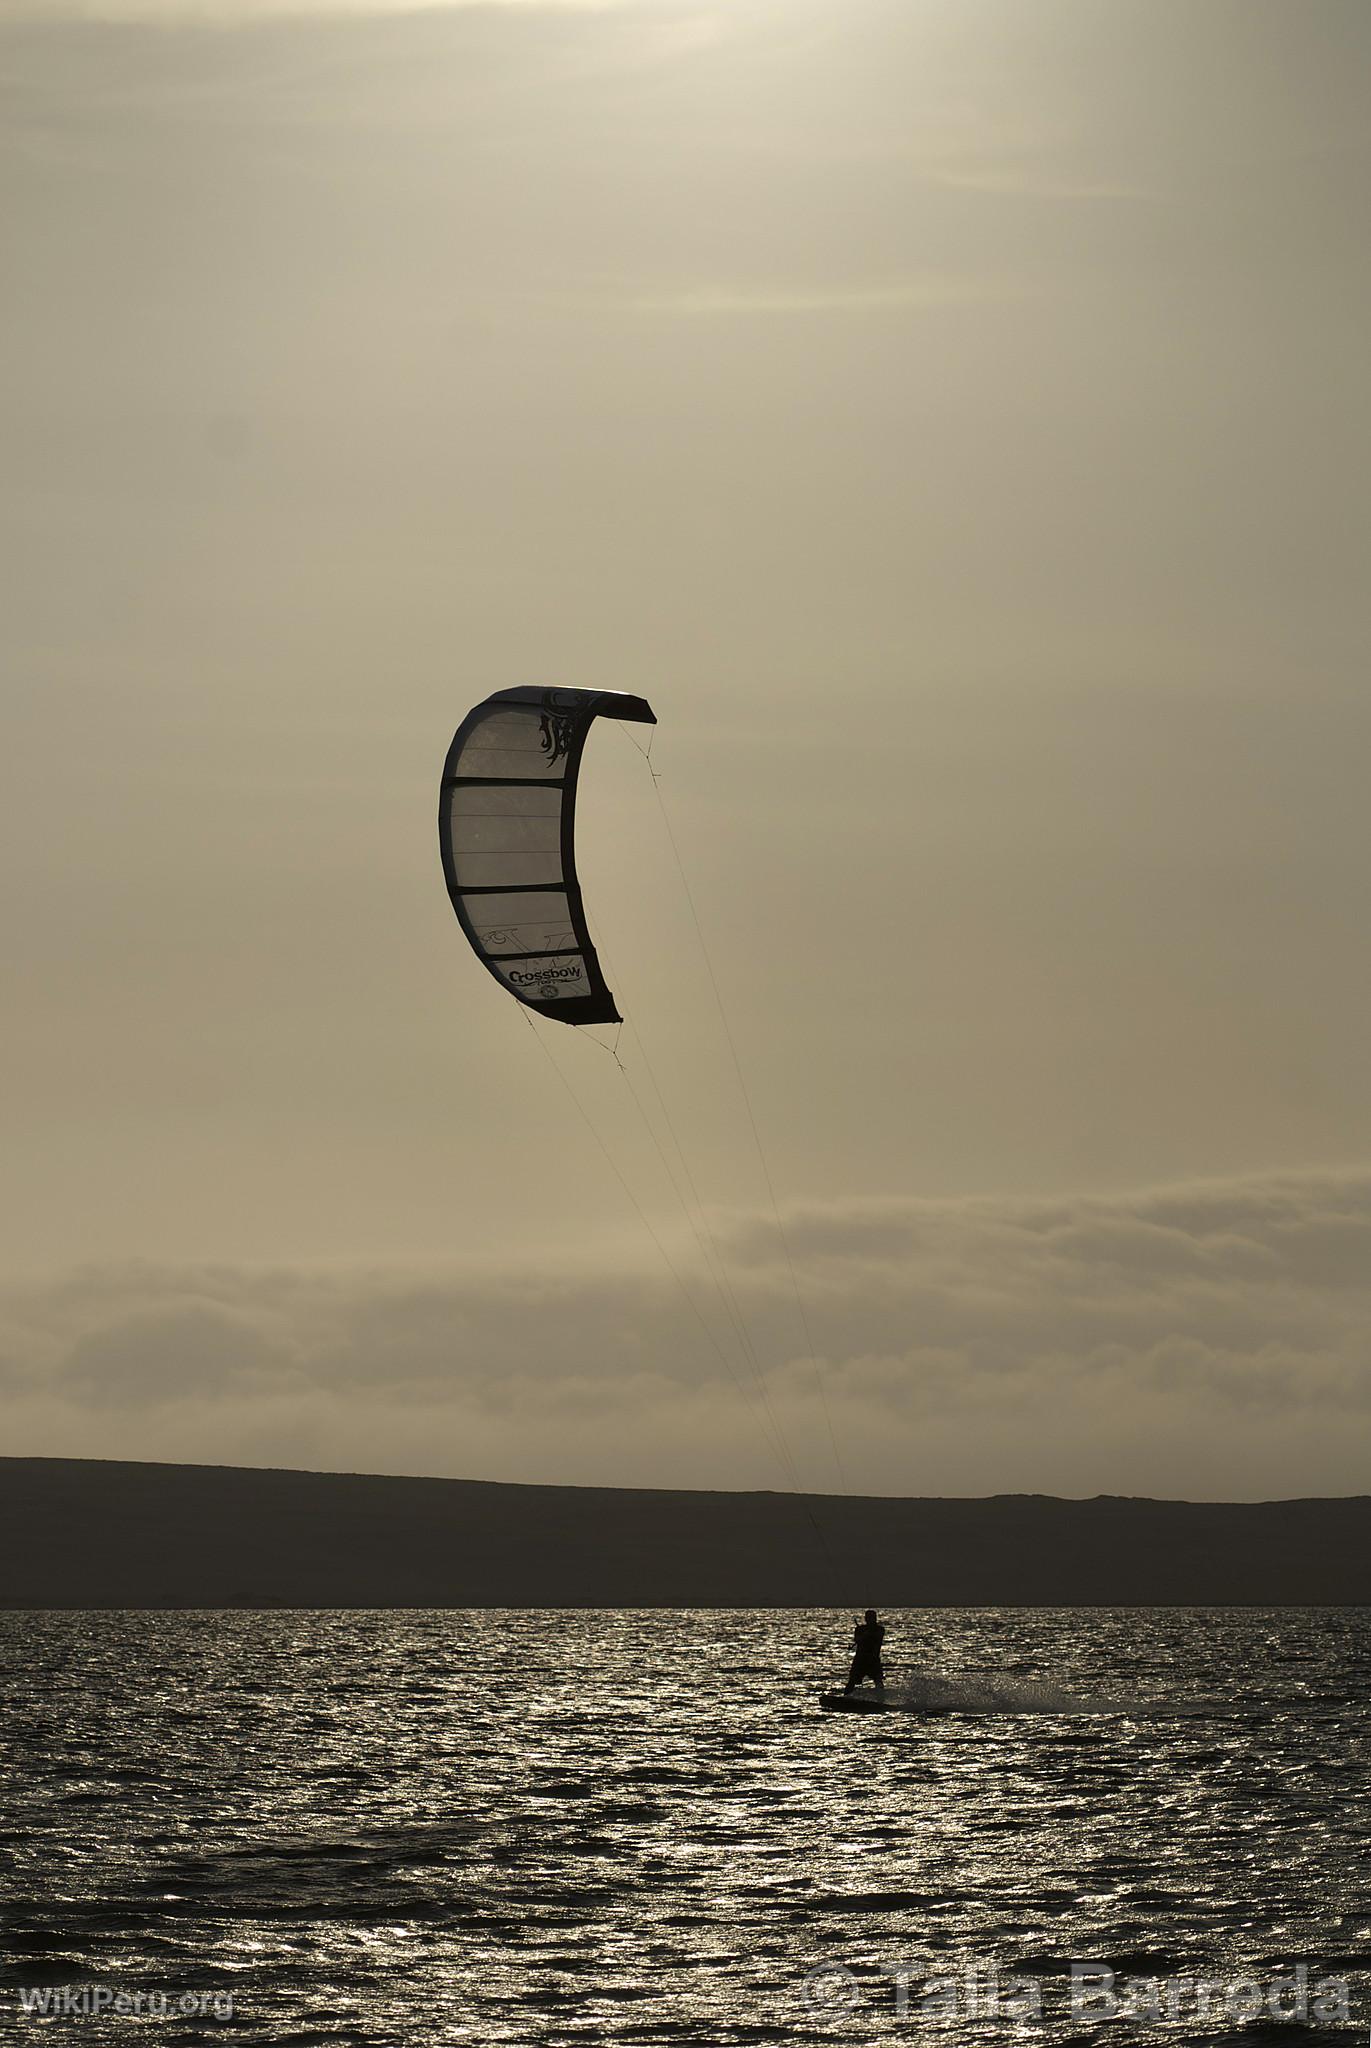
86 1533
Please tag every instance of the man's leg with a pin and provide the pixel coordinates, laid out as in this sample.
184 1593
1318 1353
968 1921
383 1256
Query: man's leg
854 1674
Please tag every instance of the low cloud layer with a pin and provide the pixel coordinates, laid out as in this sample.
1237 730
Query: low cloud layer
1206 1340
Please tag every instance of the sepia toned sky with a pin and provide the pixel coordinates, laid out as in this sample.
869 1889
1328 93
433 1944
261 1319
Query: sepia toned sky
953 418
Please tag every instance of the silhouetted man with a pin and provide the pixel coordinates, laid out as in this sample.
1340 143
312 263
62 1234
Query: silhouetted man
867 1638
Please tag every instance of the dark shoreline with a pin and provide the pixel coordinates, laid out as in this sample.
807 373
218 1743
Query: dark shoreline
96 1533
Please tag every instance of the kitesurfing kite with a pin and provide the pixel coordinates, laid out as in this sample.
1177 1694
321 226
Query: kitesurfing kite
507 828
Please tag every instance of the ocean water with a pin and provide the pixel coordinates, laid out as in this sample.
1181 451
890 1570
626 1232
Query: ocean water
553 1827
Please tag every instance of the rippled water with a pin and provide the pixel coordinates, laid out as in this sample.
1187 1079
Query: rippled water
637 1827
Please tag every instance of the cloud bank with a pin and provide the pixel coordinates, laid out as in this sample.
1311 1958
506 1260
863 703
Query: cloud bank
1207 1340
227 14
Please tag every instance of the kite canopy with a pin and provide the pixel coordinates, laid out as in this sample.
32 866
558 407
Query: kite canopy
507 828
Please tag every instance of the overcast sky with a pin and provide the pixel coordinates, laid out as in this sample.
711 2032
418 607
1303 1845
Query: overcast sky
951 414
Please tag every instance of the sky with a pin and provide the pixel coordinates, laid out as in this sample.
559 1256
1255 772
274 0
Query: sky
953 419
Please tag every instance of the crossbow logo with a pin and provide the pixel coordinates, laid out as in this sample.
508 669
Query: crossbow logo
557 727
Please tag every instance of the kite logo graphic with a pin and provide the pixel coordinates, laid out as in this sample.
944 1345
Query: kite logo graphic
556 729
546 977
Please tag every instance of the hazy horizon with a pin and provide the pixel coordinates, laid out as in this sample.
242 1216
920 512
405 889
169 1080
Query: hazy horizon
953 420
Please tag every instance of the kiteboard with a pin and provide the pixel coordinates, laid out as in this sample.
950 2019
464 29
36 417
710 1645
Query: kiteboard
928 1693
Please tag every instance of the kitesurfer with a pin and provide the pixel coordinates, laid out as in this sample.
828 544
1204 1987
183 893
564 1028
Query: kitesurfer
867 1637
